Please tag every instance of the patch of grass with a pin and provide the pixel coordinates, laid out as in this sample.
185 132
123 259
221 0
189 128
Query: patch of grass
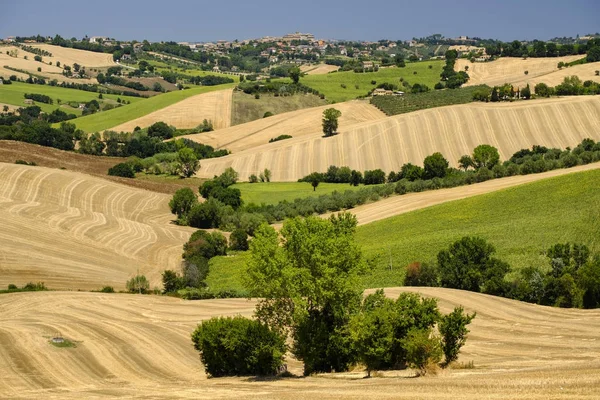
330 84
108 119
14 94
246 108
274 192
462 365
521 222
65 343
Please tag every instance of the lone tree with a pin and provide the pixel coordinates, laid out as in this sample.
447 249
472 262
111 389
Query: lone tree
188 162
295 74
486 156
314 180
330 121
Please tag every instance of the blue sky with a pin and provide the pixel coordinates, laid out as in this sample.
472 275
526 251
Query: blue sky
187 20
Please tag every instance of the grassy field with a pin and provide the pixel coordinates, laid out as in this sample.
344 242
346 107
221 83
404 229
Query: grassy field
521 222
274 192
13 94
246 108
358 84
99 122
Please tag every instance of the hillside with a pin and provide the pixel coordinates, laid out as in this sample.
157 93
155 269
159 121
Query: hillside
188 113
510 69
73 231
390 142
299 124
139 346
318 69
68 56
585 72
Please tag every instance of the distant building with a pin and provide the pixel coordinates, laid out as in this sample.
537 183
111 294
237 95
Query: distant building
98 39
382 92
367 64
298 36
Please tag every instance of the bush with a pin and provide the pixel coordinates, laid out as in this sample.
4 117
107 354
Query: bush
107 289
238 347
453 328
423 350
12 286
418 274
138 284
238 240
123 170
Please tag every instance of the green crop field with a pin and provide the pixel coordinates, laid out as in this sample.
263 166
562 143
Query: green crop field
108 119
274 192
13 94
521 222
393 105
359 84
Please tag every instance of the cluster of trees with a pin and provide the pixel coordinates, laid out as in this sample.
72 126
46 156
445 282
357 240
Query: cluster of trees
308 283
277 88
545 49
572 279
42 98
209 80
452 79
571 86
345 175
280 137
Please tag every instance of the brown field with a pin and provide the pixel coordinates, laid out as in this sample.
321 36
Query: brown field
137 346
67 56
390 142
189 113
319 69
510 69
11 151
299 124
6 73
585 72
74 231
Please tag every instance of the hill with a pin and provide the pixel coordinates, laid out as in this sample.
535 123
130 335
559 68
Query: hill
510 69
390 142
68 56
188 113
73 231
112 118
585 72
520 215
139 346
299 124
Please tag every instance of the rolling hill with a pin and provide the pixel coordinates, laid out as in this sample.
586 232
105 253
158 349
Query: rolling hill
388 143
298 124
512 69
188 113
74 231
139 346
69 56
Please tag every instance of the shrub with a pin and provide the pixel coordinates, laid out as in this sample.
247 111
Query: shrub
280 137
238 240
12 286
453 328
253 178
123 170
238 346
423 350
138 284
107 289
267 114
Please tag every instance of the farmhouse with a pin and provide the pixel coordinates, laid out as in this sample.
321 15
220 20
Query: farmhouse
382 92
367 64
28 101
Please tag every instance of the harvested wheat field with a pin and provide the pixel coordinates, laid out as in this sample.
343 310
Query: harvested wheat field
68 56
584 72
319 69
6 73
390 142
28 65
295 123
189 113
74 231
510 69
138 346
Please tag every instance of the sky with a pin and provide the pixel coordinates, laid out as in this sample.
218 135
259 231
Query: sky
197 21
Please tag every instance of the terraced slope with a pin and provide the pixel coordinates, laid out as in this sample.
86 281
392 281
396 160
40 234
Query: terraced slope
390 142
299 124
139 346
189 113
510 69
74 231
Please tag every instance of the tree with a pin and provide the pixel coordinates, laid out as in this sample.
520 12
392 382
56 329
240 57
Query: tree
314 179
309 286
172 282
295 74
182 202
465 162
435 166
494 96
238 346
123 170
468 265
330 121
267 174
453 328
355 177
423 350
160 130
411 172
238 240
542 90
486 156
138 284
526 92
188 162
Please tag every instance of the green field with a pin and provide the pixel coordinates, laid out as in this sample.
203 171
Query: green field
521 222
246 108
13 94
330 84
109 119
274 192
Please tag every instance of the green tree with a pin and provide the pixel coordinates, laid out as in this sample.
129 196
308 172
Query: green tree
542 90
123 170
238 240
188 162
172 282
465 162
355 177
423 349
160 130
330 121
486 156
453 328
526 92
267 174
309 285
435 166
494 96
295 74
138 284
182 202
314 179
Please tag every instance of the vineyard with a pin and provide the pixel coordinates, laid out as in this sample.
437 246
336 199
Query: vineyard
393 105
